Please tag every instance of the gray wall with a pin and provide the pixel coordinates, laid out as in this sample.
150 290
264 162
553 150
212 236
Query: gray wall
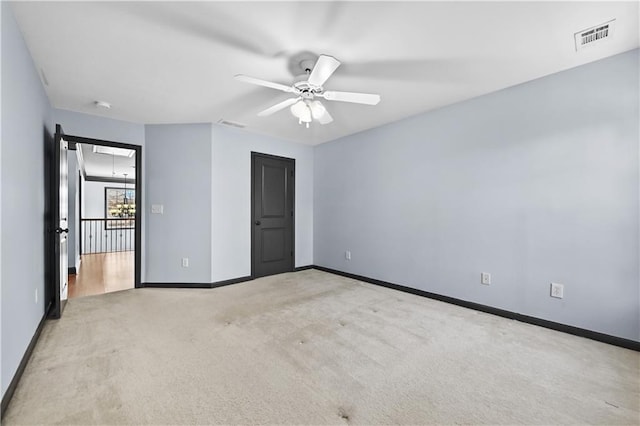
535 184
201 174
178 176
25 122
231 210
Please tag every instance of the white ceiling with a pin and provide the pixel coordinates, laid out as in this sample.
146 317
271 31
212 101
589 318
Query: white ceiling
98 165
173 62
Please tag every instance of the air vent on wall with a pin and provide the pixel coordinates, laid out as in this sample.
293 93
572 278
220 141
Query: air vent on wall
594 35
231 123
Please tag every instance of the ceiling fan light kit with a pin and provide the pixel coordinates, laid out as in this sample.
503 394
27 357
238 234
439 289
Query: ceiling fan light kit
305 107
305 110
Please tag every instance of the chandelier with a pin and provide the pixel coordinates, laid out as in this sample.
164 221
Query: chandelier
125 209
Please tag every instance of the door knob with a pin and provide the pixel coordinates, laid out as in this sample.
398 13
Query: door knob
258 222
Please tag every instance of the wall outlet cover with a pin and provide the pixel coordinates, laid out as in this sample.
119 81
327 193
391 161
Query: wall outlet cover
347 255
185 262
485 278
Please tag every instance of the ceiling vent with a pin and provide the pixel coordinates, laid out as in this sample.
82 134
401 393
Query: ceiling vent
231 123
594 35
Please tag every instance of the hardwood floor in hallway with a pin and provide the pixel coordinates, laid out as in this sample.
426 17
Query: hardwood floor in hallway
103 273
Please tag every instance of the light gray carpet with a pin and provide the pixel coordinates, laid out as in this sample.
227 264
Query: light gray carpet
313 348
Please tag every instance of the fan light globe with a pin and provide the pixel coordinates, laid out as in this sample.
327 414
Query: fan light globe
317 109
306 116
298 109
302 111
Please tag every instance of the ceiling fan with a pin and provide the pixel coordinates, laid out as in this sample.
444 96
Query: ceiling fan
307 88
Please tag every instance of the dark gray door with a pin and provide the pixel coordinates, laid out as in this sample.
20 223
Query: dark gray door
273 214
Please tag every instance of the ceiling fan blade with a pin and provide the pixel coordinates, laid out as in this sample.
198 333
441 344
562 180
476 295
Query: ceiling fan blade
265 83
278 107
358 98
324 67
443 70
207 22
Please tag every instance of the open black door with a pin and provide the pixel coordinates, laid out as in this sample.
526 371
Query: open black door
60 229
272 250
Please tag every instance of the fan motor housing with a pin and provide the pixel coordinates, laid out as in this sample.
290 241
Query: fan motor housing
306 90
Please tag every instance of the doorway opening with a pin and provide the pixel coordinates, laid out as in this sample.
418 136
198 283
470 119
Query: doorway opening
98 197
104 245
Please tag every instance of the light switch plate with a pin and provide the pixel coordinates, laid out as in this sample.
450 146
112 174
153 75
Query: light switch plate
157 209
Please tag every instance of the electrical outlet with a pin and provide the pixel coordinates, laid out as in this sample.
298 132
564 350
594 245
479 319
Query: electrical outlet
185 262
485 278
557 290
347 255
36 298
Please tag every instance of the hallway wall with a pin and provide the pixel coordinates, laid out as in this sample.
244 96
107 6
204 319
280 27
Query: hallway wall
178 177
26 133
